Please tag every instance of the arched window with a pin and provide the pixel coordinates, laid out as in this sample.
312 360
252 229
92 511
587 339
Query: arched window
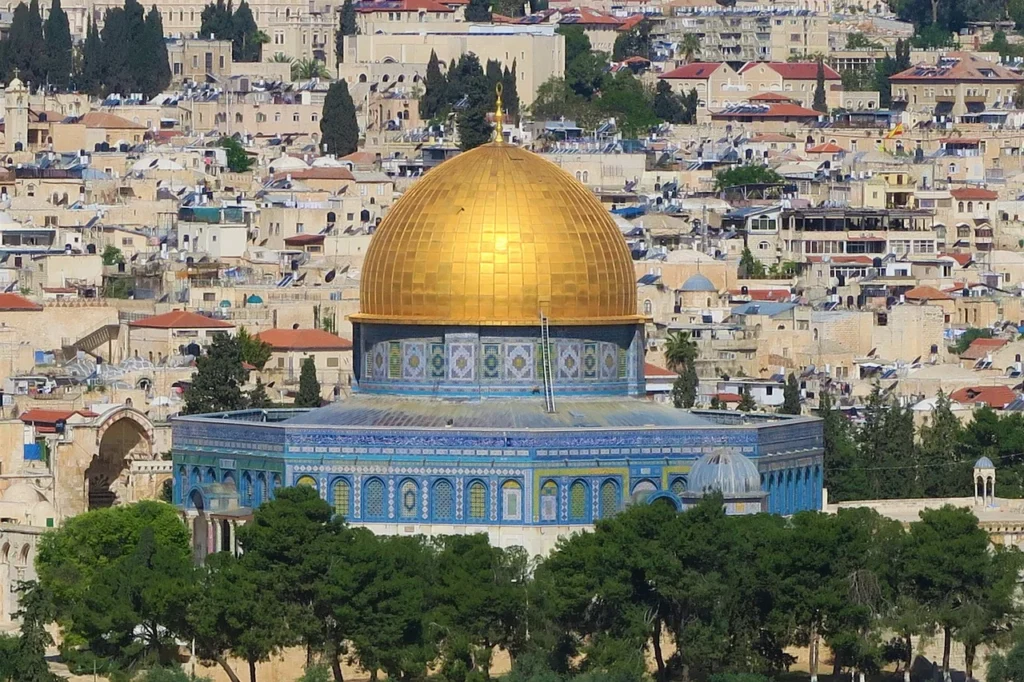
648 307
275 482
477 501
211 475
408 495
644 487
609 498
342 498
5 553
262 492
238 118
443 499
511 501
586 176
549 501
306 480
194 479
246 491
373 499
228 478
815 334
970 206
578 501
764 246
960 207
679 486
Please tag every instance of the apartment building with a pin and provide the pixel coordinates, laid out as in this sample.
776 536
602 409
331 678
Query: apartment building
193 59
959 85
795 80
749 34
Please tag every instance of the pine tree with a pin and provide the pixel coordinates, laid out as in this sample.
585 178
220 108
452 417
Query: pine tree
57 34
750 267
217 384
510 93
690 103
309 386
820 103
746 403
339 130
90 79
258 398
435 94
468 80
791 396
667 105
245 36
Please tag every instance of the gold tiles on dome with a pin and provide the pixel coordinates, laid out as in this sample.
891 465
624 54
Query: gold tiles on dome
493 236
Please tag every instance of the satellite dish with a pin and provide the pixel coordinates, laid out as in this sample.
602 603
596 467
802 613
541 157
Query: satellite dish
329 277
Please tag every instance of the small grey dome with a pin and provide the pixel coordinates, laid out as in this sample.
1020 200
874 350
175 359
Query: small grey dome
984 463
698 282
731 474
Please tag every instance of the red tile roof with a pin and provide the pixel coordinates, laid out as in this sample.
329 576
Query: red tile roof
17 302
101 119
799 71
303 339
974 193
979 348
694 70
181 319
50 417
923 293
769 97
303 239
631 22
585 15
996 397
962 258
729 397
827 148
655 371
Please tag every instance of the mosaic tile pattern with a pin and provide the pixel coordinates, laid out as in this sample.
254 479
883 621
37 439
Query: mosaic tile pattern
519 363
569 360
462 361
491 364
414 360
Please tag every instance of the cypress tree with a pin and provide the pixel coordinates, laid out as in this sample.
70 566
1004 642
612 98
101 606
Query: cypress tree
25 43
90 79
468 80
258 398
215 21
309 386
667 105
245 40
151 70
122 27
339 130
493 72
791 396
819 90
510 92
435 85
57 33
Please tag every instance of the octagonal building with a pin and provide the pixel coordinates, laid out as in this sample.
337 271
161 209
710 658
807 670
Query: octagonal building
498 361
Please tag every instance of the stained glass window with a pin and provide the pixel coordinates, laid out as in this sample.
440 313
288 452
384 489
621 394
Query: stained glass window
342 497
511 501
679 486
477 501
578 501
246 490
306 480
375 498
444 500
261 489
408 495
549 501
609 498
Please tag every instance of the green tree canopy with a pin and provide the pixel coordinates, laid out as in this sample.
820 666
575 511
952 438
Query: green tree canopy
339 128
791 396
309 385
752 174
59 64
238 160
217 384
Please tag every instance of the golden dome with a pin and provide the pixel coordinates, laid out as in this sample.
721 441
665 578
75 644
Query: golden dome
492 237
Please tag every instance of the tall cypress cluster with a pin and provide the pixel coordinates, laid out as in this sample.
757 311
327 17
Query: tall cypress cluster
238 26
128 56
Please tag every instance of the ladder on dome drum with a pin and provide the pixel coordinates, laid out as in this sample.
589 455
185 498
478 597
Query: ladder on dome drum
545 355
